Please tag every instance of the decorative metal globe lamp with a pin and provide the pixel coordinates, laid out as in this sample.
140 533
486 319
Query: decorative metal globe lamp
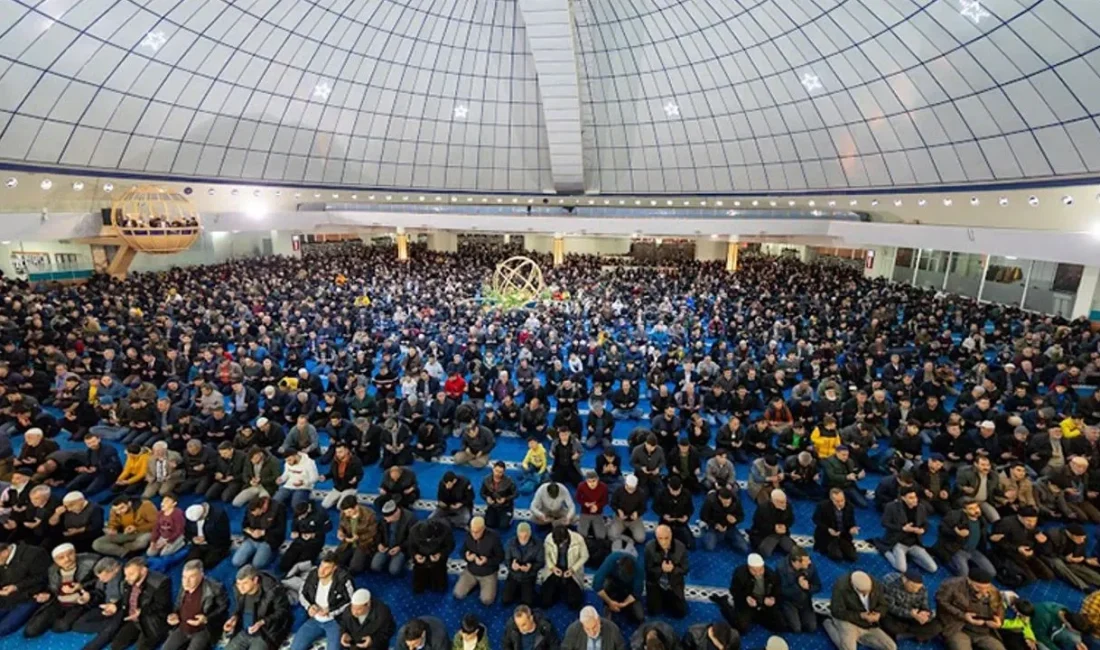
516 282
154 220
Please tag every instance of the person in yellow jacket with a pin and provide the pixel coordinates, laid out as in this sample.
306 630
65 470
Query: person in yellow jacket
132 478
825 438
1071 427
129 527
534 467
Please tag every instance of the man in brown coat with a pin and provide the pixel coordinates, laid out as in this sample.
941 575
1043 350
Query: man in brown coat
971 611
358 535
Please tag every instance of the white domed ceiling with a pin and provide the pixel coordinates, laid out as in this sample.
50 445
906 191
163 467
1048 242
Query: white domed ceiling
611 96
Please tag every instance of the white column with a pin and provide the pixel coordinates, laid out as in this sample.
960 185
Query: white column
709 250
282 243
1086 292
1027 283
985 271
885 259
443 241
916 268
947 269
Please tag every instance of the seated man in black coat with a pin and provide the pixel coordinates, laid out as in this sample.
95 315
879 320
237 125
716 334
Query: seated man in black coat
666 565
771 525
835 527
261 619
199 615
23 570
366 620
754 596
145 625
207 531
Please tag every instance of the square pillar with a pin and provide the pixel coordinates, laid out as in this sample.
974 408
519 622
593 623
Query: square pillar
559 249
733 248
402 245
1086 292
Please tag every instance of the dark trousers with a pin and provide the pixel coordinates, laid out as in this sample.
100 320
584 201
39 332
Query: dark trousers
907 628
195 485
558 588
839 549
224 491
518 591
498 518
180 640
209 555
684 534
53 616
300 550
742 617
353 558
129 633
104 628
431 576
665 601
769 544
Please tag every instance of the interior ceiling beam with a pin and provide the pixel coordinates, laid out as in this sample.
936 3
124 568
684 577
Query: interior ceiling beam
550 34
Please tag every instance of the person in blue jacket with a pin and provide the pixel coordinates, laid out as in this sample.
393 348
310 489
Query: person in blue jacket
619 582
99 470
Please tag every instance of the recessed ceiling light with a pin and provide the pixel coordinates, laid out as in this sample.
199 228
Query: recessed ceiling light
46 184
12 182
335 195
469 199
948 202
687 203
454 198
500 200
975 201
653 203
832 204
702 202
1033 200
922 202
874 202
297 195
108 187
404 198
515 200
718 203
439 198
1067 200
370 198
1003 201
316 195
210 192
78 186
790 203
354 197
622 202
637 202
484 199
897 203
668 202
234 192
389 197
714 236
278 192
256 193
420 198
772 203
811 203
755 203
853 202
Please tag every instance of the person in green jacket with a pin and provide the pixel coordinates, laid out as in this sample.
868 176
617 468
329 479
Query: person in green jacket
1057 627
471 636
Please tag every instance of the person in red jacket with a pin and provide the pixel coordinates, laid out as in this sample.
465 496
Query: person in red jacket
591 500
167 534
455 386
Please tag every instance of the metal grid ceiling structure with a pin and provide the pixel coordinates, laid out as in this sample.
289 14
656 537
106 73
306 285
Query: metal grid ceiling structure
676 95
409 93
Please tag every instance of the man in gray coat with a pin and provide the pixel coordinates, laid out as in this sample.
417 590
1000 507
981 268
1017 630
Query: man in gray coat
603 634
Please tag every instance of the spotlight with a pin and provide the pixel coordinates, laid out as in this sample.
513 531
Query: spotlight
1033 200
78 186
12 182
46 184
1067 200
975 201
1003 201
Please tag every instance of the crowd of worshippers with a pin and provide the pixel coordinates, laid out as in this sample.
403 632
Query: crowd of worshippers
215 384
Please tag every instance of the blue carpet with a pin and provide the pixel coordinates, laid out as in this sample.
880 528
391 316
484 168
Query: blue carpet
708 569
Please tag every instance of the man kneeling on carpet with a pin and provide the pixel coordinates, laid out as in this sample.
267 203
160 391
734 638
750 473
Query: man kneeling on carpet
201 608
68 593
325 594
261 619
